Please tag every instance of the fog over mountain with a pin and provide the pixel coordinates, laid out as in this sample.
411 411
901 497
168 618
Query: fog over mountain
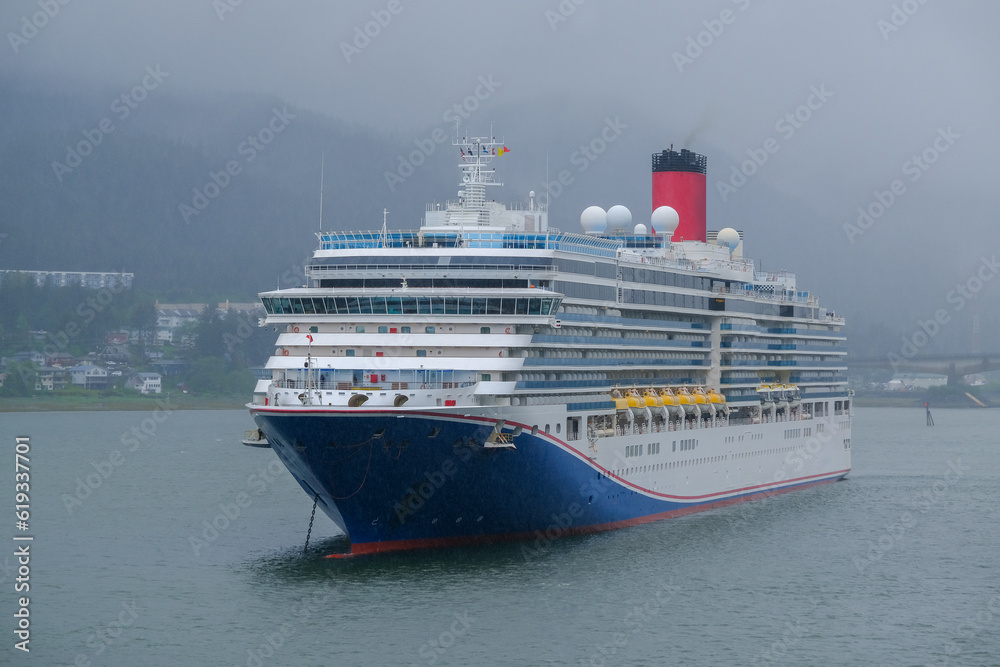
853 143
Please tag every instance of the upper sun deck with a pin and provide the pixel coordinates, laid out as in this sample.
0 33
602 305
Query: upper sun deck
493 240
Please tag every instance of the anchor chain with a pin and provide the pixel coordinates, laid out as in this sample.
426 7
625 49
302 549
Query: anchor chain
311 518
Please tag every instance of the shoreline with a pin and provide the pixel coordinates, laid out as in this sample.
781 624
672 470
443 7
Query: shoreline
43 403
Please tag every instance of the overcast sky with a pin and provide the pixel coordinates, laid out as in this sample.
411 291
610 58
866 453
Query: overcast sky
886 79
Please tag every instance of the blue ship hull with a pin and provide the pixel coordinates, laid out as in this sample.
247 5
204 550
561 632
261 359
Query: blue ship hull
395 480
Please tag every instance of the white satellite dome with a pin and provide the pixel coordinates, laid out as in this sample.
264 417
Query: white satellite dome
619 218
594 220
728 237
640 229
665 220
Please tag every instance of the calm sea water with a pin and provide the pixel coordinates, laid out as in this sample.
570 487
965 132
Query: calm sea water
898 565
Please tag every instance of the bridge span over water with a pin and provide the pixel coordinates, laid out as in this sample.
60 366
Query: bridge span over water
955 366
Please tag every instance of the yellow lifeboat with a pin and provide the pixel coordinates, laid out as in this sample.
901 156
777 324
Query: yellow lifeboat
699 396
635 400
684 397
620 402
716 397
652 400
668 397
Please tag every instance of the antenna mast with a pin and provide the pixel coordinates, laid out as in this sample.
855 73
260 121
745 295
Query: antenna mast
322 167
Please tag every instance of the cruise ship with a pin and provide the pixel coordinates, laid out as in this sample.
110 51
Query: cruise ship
488 377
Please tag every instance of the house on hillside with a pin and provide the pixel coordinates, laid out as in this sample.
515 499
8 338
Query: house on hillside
60 359
116 338
170 317
116 353
146 383
89 376
36 358
50 378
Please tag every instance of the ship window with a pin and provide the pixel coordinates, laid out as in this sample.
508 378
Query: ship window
534 429
429 329
421 353
493 306
486 330
534 306
383 329
451 305
486 377
378 305
360 329
465 305
349 353
409 306
404 329
478 306
546 306
521 306
394 305
546 428
558 428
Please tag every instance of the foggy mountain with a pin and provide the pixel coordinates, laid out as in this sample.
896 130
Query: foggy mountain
216 196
